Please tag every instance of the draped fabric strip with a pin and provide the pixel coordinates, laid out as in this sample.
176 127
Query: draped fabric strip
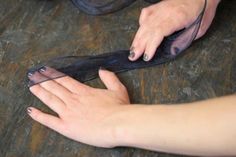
101 7
85 68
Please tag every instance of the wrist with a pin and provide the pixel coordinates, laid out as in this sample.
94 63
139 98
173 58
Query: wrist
130 125
123 122
114 126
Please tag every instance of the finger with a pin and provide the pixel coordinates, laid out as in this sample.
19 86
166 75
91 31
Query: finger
50 72
152 46
48 98
50 85
69 83
138 45
155 39
111 81
205 24
48 120
73 85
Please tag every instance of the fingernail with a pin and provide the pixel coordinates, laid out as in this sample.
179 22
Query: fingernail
176 50
30 74
131 52
145 57
102 68
29 110
42 69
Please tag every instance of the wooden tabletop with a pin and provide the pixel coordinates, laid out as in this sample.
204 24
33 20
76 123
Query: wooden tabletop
33 31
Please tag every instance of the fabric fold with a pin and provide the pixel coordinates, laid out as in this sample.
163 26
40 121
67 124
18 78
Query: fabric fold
85 68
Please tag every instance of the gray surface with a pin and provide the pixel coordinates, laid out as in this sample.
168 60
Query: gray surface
32 31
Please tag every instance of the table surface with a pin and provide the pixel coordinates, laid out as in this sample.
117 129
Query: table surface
34 31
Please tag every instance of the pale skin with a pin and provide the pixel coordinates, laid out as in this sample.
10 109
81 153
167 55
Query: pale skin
164 18
105 117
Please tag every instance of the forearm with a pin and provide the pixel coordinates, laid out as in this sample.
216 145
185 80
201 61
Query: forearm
200 128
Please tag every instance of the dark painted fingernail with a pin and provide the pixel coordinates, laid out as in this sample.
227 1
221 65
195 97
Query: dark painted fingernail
29 110
102 68
30 74
145 57
131 53
176 50
42 69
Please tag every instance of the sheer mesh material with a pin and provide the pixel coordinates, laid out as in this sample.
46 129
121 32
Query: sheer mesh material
95 7
85 68
100 7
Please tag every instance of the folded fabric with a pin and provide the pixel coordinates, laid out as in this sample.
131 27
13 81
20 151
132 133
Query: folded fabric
100 7
85 68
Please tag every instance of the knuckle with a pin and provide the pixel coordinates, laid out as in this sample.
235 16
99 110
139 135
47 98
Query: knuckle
160 31
145 12
180 12
141 19
74 99
48 98
182 15
176 13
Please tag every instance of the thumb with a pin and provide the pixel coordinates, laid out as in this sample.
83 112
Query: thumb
111 81
208 17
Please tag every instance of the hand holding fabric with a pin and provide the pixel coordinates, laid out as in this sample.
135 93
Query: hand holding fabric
162 19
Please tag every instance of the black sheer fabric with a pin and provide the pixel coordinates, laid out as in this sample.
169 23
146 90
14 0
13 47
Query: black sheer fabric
152 1
100 7
95 7
85 68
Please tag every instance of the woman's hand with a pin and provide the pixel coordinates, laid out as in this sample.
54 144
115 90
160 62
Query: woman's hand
102 118
84 113
162 19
